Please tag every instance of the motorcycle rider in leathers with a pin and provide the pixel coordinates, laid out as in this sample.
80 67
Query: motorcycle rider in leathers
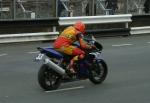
64 43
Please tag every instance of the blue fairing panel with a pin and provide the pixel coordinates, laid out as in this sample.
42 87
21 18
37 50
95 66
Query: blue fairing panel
52 52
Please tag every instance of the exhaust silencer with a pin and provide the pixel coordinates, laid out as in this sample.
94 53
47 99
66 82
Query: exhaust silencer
55 67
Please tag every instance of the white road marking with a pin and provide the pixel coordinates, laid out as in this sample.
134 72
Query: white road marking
3 55
33 52
121 45
65 89
148 42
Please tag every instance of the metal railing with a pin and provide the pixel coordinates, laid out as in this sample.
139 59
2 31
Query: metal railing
62 21
126 18
66 21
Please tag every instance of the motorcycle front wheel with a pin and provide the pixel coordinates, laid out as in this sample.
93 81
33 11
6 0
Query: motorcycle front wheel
48 79
98 72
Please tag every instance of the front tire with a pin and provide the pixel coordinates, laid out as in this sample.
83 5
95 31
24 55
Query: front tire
48 79
98 72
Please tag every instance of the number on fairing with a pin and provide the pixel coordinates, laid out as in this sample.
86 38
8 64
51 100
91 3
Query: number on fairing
39 57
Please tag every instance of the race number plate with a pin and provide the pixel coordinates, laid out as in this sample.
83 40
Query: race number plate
39 57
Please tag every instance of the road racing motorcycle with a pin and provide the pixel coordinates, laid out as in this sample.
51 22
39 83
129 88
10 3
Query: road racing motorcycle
54 70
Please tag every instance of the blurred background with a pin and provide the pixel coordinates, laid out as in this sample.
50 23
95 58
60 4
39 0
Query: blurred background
44 9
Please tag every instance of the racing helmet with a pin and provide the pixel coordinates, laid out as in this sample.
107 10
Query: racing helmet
80 26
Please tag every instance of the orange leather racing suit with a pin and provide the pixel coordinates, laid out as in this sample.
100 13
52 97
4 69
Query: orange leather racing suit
65 40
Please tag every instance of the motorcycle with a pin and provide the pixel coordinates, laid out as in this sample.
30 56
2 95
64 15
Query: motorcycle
54 70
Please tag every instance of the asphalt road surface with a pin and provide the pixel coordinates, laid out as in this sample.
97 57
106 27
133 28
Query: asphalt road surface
128 80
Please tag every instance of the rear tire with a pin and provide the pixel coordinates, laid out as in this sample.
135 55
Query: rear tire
98 72
48 79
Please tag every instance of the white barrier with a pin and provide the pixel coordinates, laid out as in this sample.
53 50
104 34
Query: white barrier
96 19
140 30
63 21
25 37
66 21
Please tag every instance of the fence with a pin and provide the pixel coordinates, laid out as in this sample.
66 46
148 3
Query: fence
27 9
44 9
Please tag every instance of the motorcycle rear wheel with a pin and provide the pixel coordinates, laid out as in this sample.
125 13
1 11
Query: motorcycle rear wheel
98 72
48 79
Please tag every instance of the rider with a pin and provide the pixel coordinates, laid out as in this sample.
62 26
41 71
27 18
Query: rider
64 43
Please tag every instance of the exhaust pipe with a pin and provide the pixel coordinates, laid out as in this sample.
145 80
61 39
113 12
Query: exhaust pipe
55 67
